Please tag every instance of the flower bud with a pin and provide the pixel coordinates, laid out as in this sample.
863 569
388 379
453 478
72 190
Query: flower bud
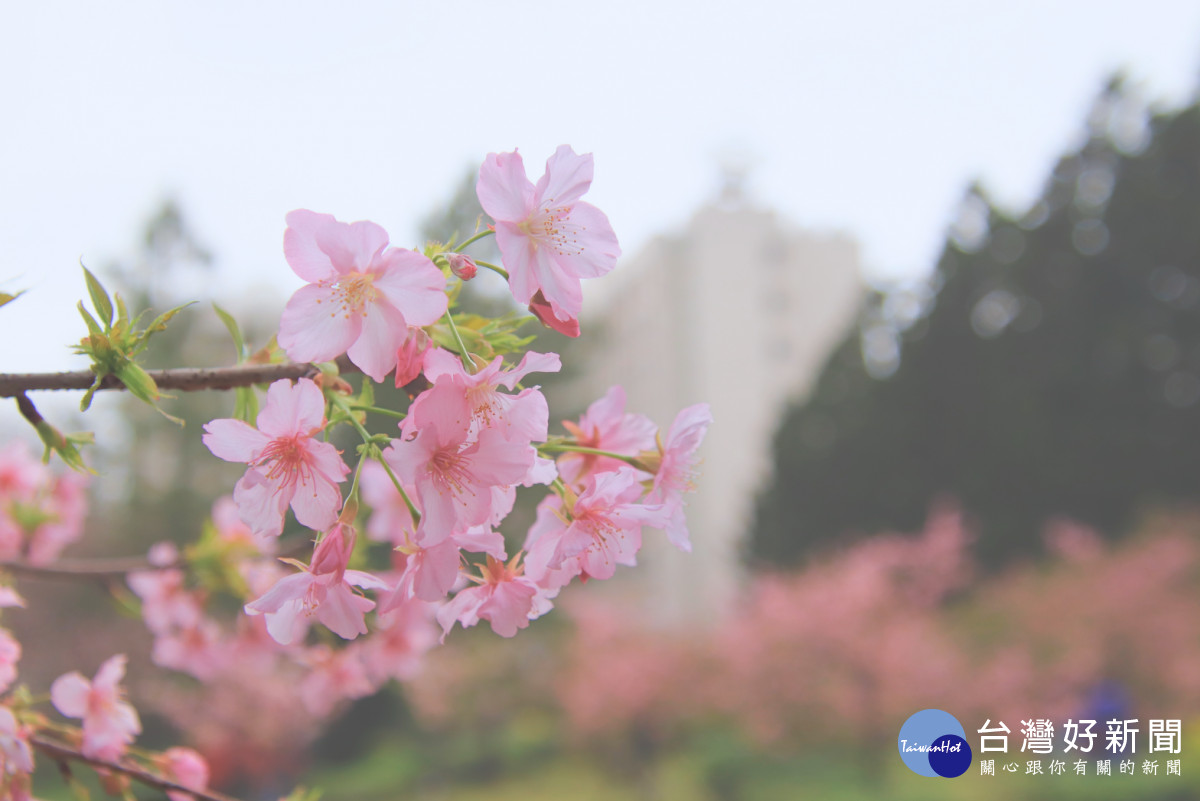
541 309
410 358
462 266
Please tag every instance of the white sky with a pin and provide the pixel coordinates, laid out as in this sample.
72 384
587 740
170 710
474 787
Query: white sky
868 117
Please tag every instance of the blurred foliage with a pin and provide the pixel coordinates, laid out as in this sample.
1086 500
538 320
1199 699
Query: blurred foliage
1049 366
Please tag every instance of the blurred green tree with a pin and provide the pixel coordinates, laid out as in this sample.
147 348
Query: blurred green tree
1049 366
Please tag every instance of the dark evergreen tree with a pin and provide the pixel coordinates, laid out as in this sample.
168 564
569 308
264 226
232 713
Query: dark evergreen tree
1050 366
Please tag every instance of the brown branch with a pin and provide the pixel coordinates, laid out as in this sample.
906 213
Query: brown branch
185 379
86 568
62 754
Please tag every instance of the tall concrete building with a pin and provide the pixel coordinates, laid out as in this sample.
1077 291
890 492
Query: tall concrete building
738 310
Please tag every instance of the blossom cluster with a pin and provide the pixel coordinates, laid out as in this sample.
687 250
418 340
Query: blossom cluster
442 485
430 494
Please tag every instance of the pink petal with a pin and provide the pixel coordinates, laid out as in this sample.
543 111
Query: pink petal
352 246
300 245
287 589
435 570
383 332
261 504
597 242
518 251
509 607
531 362
677 531
316 502
234 440
413 285
292 409
463 608
69 693
687 431
560 286
445 407
110 674
504 190
368 581
314 328
566 178
288 624
342 612
498 462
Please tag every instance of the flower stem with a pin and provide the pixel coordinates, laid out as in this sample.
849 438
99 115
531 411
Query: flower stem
494 268
475 238
412 509
564 446
462 348
381 410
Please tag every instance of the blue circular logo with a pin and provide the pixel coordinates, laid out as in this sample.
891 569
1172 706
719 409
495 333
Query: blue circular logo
934 743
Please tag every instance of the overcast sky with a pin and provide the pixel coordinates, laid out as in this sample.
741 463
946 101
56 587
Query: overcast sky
867 117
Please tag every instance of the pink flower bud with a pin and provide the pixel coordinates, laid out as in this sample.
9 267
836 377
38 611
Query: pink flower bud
541 309
462 266
410 358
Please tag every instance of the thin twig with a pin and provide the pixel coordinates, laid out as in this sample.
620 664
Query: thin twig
98 569
184 379
63 753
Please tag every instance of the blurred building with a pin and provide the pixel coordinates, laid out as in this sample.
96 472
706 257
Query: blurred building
739 310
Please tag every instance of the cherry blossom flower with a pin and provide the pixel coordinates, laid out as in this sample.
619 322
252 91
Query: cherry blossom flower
605 527
362 295
606 426
504 597
453 476
15 753
323 589
184 766
458 395
674 471
109 722
548 238
288 465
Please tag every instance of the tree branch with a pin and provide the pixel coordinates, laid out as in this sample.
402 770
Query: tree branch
62 753
86 568
184 379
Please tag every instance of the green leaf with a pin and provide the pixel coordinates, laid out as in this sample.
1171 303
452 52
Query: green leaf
234 331
159 324
93 326
100 300
8 297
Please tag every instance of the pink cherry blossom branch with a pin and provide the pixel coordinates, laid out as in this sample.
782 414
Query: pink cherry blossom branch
185 379
62 754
